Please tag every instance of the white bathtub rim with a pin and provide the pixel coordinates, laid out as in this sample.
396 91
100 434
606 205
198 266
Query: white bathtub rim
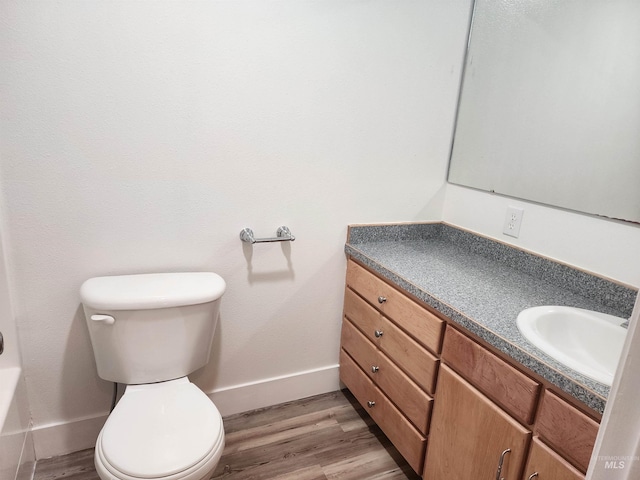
9 378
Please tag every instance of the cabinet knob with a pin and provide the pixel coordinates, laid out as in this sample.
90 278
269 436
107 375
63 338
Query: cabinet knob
532 476
378 333
371 404
501 463
382 299
375 368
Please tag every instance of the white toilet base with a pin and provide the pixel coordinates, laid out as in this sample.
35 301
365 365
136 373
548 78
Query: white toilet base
200 471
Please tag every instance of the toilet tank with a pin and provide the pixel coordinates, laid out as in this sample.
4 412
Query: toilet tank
150 328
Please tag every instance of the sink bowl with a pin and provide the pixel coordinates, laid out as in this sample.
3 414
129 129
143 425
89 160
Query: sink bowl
585 341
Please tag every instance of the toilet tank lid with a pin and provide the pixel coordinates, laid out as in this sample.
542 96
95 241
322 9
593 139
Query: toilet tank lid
151 290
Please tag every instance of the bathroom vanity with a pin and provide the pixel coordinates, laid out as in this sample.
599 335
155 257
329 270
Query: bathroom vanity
431 349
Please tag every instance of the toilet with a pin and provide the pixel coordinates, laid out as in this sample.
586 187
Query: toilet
149 331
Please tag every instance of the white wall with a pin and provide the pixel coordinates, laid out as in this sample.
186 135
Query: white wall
143 136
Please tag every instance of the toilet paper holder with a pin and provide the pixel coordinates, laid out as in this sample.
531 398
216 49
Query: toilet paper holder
283 234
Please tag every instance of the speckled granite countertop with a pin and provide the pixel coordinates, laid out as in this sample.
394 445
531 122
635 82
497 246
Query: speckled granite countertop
482 285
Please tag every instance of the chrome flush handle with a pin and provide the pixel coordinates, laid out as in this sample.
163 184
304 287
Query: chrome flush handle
106 319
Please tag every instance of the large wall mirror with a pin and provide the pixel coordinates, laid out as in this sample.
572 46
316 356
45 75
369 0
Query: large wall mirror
550 104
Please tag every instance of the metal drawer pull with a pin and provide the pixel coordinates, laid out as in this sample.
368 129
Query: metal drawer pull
371 404
533 475
375 368
378 333
382 299
499 471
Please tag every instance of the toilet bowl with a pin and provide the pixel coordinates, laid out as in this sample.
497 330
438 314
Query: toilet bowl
149 332
168 430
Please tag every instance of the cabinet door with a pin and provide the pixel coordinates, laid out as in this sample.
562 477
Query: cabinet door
469 434
545 464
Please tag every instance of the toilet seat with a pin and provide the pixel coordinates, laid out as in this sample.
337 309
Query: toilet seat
168 430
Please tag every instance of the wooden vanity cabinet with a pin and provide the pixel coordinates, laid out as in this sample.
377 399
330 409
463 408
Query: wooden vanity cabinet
564 435
477 409
388 359
471 437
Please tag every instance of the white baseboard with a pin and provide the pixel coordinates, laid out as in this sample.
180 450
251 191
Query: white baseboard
72 436
27 464
275 390
65 437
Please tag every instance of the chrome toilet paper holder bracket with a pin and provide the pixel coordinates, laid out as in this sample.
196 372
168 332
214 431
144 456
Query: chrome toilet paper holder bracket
283 234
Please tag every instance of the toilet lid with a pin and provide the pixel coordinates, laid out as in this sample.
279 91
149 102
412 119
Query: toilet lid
161 429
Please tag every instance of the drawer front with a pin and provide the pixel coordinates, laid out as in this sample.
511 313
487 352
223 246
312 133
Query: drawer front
401 390
567 430
409 442
421 324
365 353
405 352
548 465
513 390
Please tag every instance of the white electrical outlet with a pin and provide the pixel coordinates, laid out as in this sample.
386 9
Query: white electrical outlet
512 221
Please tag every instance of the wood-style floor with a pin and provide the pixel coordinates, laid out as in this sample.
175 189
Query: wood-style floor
319 438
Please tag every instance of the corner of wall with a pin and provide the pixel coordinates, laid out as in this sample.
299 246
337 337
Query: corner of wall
433 210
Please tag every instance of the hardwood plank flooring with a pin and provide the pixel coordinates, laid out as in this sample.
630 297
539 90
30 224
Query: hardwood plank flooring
325 437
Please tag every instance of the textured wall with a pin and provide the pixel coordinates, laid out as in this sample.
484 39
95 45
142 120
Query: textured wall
143 136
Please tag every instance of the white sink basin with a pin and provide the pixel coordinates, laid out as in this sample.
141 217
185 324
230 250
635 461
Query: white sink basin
588 342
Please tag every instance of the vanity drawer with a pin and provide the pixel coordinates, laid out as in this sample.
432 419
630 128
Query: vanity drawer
567 430
513 390
410 356
409 442
421 324
403 392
